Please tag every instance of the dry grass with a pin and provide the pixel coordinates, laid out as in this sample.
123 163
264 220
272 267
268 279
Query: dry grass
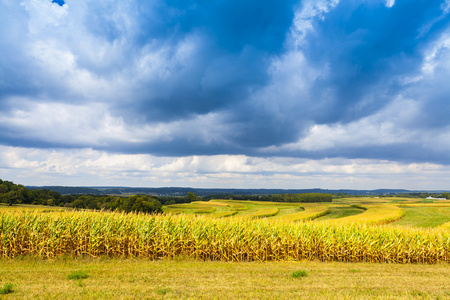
28 207
189 279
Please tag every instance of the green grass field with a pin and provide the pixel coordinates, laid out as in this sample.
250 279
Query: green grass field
425 216
340 212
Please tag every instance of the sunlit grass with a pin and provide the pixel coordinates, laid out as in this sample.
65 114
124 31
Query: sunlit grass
311 211
117 279
340 212
425 216
263 213
29 207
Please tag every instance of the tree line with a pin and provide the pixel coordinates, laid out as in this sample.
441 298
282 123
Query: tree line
11 194
445 195
304 197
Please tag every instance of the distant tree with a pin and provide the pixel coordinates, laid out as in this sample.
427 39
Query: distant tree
3 188
190 197
10 198
78 203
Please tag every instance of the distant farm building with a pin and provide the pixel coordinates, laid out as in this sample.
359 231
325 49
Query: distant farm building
435 198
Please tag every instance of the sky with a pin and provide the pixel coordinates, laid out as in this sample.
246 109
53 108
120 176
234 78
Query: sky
351 94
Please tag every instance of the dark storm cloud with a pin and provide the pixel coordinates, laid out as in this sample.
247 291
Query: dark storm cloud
368 47
226 77
232 40
232 24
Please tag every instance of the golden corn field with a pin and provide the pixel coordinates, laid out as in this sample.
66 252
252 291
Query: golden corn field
50 234
374 214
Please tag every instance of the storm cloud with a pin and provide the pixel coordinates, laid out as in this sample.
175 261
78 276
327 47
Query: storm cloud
306 79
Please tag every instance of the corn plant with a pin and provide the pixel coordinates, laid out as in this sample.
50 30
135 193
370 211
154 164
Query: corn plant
204 237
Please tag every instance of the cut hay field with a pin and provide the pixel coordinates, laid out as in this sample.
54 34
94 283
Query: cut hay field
219 241
117 279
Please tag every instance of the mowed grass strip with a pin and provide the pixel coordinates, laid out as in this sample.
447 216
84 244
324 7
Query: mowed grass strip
203 237
29 207
173 211
234 205
445 203
340 212
310 212
194 207
205 210
263 213
225 214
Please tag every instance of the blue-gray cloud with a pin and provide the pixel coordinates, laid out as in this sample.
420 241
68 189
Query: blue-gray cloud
227 77
368 48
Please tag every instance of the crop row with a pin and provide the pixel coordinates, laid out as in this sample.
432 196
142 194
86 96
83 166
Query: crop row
373 214
202 237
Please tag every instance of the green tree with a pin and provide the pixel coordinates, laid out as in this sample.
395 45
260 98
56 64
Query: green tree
11 197
190 197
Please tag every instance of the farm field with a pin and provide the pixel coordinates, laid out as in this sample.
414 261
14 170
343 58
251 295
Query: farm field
35 278
411 212
28 207
425 216
353 248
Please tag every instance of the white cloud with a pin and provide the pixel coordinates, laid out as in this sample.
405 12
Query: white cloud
446 6
92 124
390 3
90 82
388 126
437 55
88 167
310 10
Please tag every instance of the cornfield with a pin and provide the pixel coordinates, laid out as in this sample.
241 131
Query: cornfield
373 214
207 238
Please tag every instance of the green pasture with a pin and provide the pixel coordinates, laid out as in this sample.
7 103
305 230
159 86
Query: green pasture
340 212
425 216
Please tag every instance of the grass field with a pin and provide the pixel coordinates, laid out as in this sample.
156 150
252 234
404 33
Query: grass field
190 279
29 207
340 212
425 216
